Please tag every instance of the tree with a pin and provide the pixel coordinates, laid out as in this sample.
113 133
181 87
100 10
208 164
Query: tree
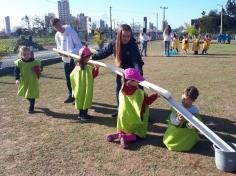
26 22
191 30
231 8
39 26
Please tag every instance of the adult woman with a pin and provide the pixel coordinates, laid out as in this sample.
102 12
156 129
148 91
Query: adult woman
167 39
126 54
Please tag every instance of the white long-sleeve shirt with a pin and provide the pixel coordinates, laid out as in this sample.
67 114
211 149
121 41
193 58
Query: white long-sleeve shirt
68 41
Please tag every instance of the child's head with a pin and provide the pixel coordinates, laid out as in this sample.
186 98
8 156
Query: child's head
189 95
25 53
132 77
84 54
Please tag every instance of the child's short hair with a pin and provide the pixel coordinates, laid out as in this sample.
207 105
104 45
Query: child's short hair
191 92
54 21
22 49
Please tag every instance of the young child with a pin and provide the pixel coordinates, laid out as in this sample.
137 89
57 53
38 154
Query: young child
133 112
180 134
206 44
82 79
27 72
175 43
185 44
195 46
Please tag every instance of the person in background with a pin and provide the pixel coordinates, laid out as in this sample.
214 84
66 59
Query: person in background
175 43
205 45
185 44
144 39
195 44
167 33
67 40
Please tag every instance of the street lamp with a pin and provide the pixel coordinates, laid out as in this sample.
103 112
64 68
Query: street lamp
164 12
221 18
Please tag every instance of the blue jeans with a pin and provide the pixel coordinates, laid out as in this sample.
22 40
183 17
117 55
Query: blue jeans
167 48
144 48
68 67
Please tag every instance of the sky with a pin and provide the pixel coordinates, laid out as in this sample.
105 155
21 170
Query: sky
123 11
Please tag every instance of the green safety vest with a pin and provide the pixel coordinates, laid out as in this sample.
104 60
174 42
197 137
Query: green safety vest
29 82
82 86
180 138
129 115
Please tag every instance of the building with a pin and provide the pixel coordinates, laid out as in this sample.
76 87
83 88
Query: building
64 11
48 18
8 25
82 22
102 25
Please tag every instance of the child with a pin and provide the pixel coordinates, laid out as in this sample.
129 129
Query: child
27 72
180 134
82 79
175 44
196 45
185 44
133 110
206 44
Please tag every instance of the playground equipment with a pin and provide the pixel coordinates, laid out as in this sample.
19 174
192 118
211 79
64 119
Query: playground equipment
166 95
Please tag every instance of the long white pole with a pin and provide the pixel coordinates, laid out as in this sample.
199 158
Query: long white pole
166 95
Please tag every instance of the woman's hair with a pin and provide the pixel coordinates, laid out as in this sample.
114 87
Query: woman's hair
124 81
123 27
54 21
23 49
191 92
167 30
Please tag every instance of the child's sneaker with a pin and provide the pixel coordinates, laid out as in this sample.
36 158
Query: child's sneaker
85 117
112 137
123 143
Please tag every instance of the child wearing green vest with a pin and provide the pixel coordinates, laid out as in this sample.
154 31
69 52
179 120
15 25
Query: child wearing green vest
27 72
82 79
181 134
133 112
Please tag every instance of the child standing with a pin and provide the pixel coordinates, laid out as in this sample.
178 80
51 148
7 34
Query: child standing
206 44
82 79
175 43
185 44
181 134
133 110
27 72
196 45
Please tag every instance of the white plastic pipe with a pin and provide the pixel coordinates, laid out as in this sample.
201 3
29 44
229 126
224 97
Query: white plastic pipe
166 95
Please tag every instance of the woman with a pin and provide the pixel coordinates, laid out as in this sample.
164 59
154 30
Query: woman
167 39
126 54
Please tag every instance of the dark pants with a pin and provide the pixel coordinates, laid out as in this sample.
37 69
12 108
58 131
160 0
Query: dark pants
83 112
118 86
68 67
32 102
144 48
167 48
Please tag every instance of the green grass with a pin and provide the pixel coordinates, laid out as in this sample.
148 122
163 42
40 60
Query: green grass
53 142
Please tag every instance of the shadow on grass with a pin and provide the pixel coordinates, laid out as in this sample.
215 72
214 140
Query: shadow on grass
51 77
57 115
2 82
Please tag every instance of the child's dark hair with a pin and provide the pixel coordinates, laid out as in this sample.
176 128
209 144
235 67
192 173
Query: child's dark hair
191 92
82 62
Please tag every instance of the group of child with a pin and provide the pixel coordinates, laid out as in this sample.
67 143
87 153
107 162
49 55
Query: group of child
133 110
195 44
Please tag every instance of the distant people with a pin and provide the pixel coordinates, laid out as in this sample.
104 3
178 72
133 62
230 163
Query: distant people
82 79
67 40
206 44
228 39
27 73
126 52
175 43
133 114
185 44
98 39
195 44
144 39
181 135
167 39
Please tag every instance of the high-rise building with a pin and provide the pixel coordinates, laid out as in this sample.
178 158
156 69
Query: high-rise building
82 22
8 25
102 24
48 18
64 11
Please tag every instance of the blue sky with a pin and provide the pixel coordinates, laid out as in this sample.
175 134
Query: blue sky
178 12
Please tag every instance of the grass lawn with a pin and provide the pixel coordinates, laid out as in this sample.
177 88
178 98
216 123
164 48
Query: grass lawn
54 142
